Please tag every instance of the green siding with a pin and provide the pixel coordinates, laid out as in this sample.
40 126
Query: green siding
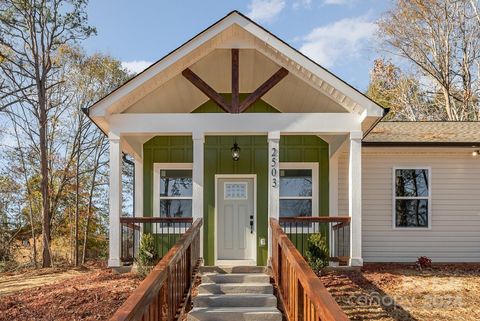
258 107
218 160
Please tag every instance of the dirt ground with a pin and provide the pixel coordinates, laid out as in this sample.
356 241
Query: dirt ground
401 293
92 292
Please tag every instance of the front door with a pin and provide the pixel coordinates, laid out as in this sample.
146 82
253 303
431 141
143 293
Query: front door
236 223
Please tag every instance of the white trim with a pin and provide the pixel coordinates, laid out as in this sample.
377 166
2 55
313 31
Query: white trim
215 250
243 124
394 198
157 167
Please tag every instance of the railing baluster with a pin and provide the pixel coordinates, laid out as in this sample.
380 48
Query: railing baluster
301 292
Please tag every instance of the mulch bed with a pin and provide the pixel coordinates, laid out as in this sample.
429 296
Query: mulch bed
93 295
388 292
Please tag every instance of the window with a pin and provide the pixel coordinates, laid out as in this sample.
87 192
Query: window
298 189
412 197
173 190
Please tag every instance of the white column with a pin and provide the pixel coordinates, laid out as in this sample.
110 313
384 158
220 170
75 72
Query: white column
115 202
355 198
198 168
138 191
138 187
273 182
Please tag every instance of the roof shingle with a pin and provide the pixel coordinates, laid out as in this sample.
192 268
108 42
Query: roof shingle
424 132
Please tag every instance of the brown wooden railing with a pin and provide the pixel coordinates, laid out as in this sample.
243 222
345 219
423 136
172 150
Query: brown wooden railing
162 294
166 231
302 293
334 229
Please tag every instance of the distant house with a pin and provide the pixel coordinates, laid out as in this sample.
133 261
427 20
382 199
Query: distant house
235 126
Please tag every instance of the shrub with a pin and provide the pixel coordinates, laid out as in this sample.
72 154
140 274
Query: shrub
147 256
317 253
424 262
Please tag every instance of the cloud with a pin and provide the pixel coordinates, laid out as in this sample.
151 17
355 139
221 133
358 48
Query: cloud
339 41
265 10
337 2
136 66
301 3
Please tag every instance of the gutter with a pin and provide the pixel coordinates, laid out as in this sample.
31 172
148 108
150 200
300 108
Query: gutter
385 112
86 111
421 144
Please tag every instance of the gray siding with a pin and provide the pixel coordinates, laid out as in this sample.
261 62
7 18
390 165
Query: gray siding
455 209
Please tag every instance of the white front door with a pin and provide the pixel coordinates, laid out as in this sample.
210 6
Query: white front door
236 224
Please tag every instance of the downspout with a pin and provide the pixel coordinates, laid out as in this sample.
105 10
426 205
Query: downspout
129 162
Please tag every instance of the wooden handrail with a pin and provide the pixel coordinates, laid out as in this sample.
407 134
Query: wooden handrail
162 293
315 219
300 290
126 219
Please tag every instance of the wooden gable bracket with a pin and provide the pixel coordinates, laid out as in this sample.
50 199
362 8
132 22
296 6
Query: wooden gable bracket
235 106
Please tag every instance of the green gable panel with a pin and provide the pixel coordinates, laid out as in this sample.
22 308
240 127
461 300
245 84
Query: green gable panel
258 107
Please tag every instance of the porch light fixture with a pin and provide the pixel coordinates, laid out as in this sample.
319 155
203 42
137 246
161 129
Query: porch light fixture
475 153
235 151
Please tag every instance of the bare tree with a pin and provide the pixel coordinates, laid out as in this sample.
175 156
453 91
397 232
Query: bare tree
32 32
441 41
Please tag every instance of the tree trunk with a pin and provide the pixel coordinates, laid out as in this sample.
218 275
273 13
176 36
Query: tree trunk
77 196
46 236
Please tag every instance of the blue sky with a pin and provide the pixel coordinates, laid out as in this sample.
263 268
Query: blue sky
338 34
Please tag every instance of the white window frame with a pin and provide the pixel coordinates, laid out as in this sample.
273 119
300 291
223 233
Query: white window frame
313 166
157 167
395 197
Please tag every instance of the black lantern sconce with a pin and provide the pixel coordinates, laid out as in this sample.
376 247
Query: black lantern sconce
235 151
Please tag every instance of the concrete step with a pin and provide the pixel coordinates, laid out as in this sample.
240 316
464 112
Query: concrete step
234 300
233 269
234 314
235 288
236 278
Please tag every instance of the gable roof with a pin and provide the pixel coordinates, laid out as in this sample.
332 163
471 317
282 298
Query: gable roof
198 46
392 133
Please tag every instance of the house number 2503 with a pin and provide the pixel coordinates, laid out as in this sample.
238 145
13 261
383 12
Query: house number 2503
274 167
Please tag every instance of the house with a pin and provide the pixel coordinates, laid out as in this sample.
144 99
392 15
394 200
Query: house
236 127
